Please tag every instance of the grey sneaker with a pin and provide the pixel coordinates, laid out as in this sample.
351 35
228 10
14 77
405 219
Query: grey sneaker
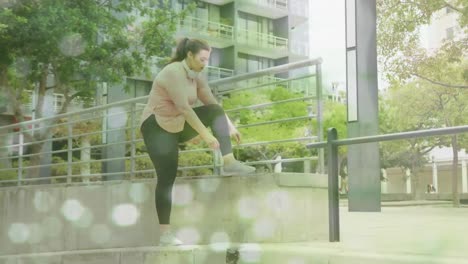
237 167
168 239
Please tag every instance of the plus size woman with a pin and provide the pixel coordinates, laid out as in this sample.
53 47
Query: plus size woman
170 118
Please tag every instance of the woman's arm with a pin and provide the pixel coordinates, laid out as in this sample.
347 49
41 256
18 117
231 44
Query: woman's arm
204 92
172 78
206 96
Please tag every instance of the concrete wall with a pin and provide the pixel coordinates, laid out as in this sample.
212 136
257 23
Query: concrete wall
261 208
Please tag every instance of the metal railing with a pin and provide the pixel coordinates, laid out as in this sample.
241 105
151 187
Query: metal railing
218 73
279 4
332 145
209 28
104 142
260 40
57 102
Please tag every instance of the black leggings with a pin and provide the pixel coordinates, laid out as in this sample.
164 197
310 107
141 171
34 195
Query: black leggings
163 149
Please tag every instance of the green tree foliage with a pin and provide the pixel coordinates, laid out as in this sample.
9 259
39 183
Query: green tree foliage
428 89
270 132
72 46
399 27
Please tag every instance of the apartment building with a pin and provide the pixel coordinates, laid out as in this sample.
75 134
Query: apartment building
444 26
246 36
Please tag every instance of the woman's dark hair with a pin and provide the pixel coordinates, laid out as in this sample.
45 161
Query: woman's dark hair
186 45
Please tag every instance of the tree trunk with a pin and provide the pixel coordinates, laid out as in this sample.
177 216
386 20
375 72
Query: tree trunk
455 193
34 160
41 132
4 162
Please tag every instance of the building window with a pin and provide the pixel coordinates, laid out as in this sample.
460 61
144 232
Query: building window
252 63
449 33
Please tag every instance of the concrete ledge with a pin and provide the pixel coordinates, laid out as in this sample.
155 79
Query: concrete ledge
314 180
261 208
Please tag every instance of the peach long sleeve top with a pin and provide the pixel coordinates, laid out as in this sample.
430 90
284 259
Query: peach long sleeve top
172 90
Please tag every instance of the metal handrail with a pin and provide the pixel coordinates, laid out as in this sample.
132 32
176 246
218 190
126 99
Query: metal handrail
332 145
131 111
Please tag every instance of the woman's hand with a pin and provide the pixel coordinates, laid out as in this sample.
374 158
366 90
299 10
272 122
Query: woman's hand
234 133
211 141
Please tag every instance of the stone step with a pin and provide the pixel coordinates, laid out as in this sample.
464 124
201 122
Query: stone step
277 253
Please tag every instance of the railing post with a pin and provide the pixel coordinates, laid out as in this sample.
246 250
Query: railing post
217 162
318 74
69 152
20 154
132 140
333 198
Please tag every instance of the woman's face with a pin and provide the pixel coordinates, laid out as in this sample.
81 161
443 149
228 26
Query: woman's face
198 61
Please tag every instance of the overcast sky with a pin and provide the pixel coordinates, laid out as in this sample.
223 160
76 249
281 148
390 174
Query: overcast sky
327 38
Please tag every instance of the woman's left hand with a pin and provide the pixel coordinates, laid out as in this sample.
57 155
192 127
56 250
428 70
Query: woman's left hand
233 132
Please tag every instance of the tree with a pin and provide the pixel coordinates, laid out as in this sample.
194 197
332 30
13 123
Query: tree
398 43
438 77
269 132
77 44
399 116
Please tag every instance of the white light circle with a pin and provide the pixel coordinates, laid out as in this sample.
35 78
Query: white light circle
125 214
72 210
189 235
18 233
43 201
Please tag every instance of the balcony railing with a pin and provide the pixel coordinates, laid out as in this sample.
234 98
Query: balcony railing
261 40
215 73
299 85
279 4
207 27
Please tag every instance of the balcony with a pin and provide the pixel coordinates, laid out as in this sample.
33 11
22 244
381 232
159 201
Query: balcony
218 2
271 82
215 73
269 8
219 35
262 44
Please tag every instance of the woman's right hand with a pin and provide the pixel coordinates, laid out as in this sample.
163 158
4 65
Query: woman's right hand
211 141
